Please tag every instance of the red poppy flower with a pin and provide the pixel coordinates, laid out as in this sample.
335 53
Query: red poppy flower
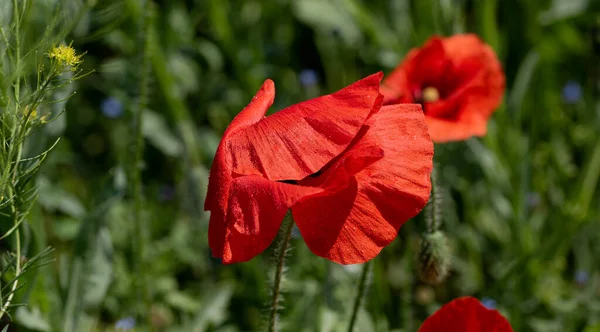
466 314
352 172
458 80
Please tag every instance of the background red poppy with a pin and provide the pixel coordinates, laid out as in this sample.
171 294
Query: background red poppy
459 81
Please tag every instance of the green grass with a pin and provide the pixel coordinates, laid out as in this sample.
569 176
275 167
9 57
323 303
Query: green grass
520 206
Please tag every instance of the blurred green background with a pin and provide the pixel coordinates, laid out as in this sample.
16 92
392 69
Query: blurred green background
520 205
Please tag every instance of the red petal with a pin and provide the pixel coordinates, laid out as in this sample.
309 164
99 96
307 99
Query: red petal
301 139
467 125
220 173
421 66
466 314
254 213
478 82
352 225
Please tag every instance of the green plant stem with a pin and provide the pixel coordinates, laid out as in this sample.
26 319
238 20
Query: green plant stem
362 289
406 309
15 217
288 225
433 212
14 211
140 231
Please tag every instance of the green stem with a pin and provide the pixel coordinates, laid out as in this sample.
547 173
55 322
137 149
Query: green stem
140 230
288 225
14 210
362 289
406 288
432 210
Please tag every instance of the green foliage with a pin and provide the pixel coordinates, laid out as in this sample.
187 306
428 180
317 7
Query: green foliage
520 206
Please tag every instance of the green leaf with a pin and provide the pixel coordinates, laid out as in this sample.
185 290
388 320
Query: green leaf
54 198
182 301
561 10
214 308
98 271
328 16
31 319
158 133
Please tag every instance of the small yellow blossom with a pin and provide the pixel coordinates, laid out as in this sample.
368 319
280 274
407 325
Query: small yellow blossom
32 115
65 55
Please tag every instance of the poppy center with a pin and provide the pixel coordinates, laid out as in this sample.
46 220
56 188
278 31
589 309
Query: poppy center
430 94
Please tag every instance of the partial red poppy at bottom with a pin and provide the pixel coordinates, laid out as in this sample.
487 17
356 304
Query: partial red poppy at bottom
466 314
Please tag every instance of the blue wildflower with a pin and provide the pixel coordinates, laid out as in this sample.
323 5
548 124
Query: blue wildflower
308 77
111 107
571 92
489 303
125 324
581 277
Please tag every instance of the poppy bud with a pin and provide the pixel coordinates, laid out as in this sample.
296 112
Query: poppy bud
434 258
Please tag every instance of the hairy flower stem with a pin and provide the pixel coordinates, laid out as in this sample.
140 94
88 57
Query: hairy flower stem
281 250
360 294
433 209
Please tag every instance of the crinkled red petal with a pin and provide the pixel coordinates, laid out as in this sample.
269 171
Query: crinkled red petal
299 140
352 224
255 210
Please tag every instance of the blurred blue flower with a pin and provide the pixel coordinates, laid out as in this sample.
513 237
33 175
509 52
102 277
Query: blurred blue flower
489 303
125 324
111 108
166 193
571 92
533 199
581 277
308 77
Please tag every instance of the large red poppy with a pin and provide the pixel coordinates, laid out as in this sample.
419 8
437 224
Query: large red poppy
352 172
458 80
466 314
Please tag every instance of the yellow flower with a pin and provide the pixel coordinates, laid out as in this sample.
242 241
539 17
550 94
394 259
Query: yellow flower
65 55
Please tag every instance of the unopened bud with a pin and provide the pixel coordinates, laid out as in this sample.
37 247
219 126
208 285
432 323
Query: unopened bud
434 258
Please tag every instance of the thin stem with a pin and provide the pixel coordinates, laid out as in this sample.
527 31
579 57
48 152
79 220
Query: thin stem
282 247
138 144
14 211
406 308
362 289
433 214
15 215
